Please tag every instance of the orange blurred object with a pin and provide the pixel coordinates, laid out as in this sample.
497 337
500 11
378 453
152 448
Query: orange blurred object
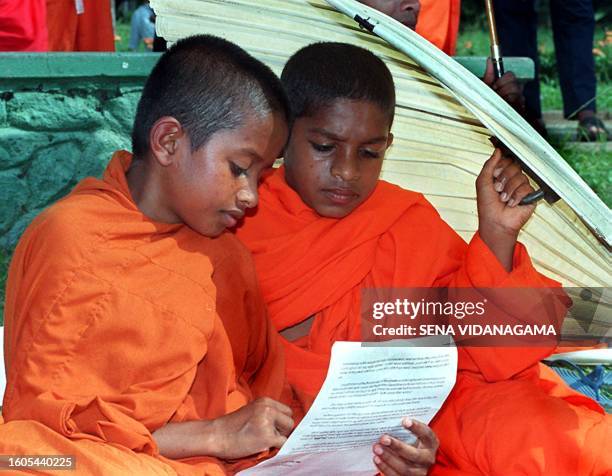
23 25
438 22
80 25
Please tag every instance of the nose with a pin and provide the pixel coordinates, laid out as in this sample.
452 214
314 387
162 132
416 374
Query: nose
247 196
414 5
345 167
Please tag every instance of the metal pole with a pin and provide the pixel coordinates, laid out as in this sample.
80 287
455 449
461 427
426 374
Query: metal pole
496 56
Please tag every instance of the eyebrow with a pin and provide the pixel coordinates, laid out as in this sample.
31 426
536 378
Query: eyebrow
251 153
331 135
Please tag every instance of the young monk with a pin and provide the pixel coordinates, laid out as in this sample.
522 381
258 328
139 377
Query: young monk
136 339
435 20
327 227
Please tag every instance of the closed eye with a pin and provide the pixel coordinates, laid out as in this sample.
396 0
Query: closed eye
237 171
371 154
322 147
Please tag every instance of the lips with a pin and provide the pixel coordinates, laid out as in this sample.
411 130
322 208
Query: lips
340 196
231 217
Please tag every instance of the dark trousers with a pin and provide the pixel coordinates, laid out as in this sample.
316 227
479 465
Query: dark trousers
573 23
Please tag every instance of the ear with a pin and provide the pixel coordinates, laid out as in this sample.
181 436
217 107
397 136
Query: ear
165 140
389 140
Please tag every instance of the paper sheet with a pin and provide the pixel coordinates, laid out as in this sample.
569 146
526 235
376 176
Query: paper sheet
367 392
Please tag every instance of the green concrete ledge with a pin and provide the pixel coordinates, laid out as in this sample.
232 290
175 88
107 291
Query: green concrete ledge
37 66
76 65
523 68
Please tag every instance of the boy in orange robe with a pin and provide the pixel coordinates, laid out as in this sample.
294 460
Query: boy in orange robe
435 20
136 339
327 227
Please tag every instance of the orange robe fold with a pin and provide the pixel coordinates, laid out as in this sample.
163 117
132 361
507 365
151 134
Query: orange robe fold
117 325
438 22
23 25
89 30
314 266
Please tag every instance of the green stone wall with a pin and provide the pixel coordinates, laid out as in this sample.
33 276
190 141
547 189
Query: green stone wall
61 117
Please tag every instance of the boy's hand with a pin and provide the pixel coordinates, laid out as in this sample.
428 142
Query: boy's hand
393 457
258 426
507 87
500 187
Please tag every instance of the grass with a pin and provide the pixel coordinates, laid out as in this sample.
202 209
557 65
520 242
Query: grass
594 166
122 37
551 96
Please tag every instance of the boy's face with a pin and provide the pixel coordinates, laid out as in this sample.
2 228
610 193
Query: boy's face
334 157
211 188
404 11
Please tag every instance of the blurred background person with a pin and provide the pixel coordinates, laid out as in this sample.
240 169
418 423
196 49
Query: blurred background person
142 27
435 20
23 25
573 25
80 25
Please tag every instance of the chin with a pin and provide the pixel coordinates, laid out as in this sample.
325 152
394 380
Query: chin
208 231
334 212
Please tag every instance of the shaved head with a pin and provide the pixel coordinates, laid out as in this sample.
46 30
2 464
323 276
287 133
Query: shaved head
208 84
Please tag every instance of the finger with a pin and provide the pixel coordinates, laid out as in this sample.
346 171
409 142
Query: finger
275 404
284 424
490 165
509 169
506 79
489 76
384 468
515 182
510 94
393 461
520 193
423 432
409 454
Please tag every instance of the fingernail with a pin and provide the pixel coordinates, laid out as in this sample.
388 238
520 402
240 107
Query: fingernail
376 460
497 171
385 440
511 203
378 450
504 196
499 186
407 422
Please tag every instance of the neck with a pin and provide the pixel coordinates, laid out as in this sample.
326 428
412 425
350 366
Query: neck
146 187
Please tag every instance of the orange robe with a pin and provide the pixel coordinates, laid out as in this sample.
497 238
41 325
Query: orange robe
438 22
91 30
23 25
313 266
117 325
